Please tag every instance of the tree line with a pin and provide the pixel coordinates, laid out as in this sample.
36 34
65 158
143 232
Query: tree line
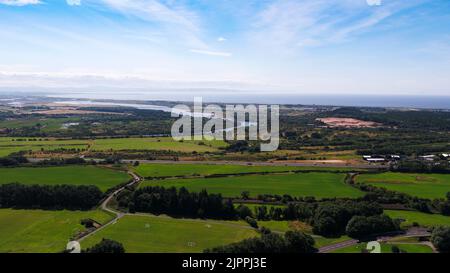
330 218
291 242
56 197
178 202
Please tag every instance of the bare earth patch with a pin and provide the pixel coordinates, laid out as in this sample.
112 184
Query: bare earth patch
348 122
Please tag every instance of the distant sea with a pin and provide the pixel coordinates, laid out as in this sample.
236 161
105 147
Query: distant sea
404 101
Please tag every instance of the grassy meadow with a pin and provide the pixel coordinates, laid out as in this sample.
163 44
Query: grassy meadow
424 219
320 185
415 184
38 231
10 145
167 170
159 143
75 175
160 234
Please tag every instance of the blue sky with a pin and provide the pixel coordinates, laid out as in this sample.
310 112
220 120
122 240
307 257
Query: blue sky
286 46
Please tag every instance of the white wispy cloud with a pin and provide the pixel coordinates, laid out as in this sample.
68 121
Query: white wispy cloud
177 20
221 39
20 2
211 53
293 23
73 2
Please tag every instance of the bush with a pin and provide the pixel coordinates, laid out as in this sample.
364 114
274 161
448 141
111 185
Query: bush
440 237
361 226
106 246
252 222
244 212
292 242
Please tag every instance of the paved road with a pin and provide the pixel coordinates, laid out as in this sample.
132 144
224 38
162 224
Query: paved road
336 246
104 206
412 232
243 163
258 163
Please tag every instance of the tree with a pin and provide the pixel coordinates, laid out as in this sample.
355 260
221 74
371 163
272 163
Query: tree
244 212
245 195
361 226
299 242
291 242
252 222
440 237
395 249
106 246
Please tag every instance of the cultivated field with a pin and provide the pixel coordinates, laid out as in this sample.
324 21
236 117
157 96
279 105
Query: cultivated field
167 170
424 219
421 185
75 175
37 231
316 184
160 234
160 143
10 145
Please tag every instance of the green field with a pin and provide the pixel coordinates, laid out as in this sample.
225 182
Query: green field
160 143
167 170
10 145
159 234
387 248
37 231
423 219
320 185
420 185
46 125
75 175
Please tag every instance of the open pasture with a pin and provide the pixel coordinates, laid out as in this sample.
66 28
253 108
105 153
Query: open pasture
103 178
423 219
162 234
38 231
10 145
156 143
167 170
415 184
320 185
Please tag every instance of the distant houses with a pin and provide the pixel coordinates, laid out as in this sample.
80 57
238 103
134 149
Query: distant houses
392 158
381 158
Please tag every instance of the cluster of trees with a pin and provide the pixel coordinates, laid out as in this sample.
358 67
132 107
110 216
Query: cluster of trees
181 202
243 146
106 246
291 242
362 226
57 197
62 161
415 126
285 198
330 218
133 122
12 160
440 237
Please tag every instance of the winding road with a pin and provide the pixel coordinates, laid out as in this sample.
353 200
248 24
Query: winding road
104 206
